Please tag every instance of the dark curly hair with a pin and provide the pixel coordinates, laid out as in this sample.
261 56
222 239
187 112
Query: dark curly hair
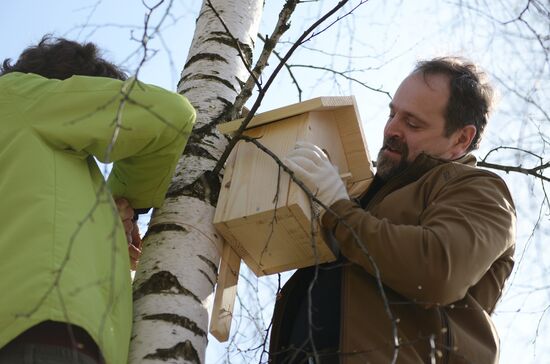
471 95
60 58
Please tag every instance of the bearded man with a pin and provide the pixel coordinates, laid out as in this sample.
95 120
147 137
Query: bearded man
424 251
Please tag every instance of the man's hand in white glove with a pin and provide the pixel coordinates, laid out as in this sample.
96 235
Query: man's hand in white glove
312 166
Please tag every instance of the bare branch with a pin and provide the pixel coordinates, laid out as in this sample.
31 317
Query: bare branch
274 74
343 74
537 172
313 35
288 68
529 171
269 45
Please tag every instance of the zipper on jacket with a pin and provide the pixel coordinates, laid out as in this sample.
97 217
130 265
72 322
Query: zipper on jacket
448 342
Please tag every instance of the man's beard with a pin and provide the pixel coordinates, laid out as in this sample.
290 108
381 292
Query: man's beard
386 167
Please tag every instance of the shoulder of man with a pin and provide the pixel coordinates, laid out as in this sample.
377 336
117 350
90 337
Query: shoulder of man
465 175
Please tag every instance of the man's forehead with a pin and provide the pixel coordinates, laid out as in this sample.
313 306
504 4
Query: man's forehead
423 85
436 81
424 96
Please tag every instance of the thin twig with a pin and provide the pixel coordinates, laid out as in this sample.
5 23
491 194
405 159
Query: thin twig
261 94
289 70
343 75
269 45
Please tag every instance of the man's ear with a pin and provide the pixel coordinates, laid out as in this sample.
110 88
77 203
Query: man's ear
463 140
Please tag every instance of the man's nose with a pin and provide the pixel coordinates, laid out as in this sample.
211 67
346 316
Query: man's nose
393 127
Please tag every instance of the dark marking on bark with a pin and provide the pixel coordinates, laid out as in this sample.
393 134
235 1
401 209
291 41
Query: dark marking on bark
158 228
224 38
228 113
186 90
205 188
224 101
209 263
214 183
183 350
178 320
182 80
198 150
212 283
212 57
163 282
195 189
202 76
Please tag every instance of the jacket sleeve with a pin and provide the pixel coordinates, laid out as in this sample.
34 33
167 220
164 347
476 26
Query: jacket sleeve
141 128
461 232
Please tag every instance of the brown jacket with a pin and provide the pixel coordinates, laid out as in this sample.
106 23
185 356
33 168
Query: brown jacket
442 237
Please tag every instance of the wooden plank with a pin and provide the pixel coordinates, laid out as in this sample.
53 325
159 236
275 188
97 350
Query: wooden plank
322 252
319 103
225 231
354 143
222 204
321 130
256 184
226 291
270 239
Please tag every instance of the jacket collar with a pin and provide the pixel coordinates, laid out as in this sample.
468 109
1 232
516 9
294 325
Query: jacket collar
421 165
424 163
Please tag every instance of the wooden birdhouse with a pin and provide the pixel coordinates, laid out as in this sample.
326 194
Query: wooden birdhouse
265 216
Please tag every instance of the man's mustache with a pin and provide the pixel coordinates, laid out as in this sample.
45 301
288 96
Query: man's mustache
395 145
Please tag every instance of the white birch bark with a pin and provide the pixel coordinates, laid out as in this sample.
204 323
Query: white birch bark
175 279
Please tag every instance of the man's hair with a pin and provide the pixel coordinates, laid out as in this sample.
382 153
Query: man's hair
471 95
60 58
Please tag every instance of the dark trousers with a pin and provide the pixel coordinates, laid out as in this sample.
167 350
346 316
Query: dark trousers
292 333
23 353
52 343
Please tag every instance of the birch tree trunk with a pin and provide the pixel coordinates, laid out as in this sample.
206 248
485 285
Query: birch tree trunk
176 276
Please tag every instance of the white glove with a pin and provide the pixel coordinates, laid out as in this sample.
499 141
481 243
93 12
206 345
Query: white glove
311 166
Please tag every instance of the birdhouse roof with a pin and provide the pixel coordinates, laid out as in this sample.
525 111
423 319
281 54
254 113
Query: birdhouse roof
316 104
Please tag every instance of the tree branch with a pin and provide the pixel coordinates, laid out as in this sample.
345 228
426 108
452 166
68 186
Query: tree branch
269 45
217 169
537 172
294 80
343 74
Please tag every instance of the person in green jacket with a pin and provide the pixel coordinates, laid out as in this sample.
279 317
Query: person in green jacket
64 262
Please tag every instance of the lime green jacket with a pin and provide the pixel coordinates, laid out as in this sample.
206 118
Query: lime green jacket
63 251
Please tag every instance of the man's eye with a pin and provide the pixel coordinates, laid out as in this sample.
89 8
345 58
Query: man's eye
412 125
